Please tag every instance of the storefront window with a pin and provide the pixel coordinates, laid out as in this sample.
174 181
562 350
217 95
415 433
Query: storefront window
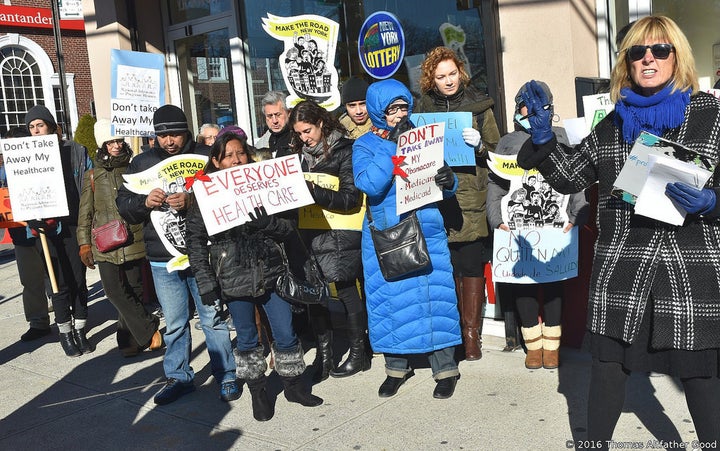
184 10
427 24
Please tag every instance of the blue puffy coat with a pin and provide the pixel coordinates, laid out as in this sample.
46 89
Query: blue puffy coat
417 314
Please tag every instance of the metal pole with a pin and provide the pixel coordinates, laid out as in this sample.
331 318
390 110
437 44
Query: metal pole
61 68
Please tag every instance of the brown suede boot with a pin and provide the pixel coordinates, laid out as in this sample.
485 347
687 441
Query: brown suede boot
473 298
534 345
551 346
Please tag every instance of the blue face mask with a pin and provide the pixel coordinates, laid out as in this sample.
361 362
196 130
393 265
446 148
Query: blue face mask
524 123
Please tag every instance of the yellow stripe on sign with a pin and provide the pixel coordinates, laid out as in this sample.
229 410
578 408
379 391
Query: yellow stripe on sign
317 218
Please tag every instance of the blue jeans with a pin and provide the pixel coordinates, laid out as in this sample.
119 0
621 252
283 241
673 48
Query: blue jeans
173 292
442 362
278 313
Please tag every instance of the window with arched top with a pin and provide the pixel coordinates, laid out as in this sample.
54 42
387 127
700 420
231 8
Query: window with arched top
21 85
28 78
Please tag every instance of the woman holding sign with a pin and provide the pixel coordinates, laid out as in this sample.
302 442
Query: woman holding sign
320 140
121 268
446 88
240 267
655 289
416 314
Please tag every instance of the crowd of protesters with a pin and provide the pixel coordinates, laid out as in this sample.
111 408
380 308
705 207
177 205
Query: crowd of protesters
654 296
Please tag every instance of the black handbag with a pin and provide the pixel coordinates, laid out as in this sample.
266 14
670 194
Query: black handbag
314 289
401 249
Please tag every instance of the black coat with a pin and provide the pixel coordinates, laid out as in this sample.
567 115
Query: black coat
338 251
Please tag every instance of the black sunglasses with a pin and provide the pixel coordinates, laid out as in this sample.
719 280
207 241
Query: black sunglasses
659 51
392 109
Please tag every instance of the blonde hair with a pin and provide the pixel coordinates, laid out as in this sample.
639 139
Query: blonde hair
660 29
432 59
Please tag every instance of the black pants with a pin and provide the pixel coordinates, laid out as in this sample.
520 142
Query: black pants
525 296
71 299
607 396
123 288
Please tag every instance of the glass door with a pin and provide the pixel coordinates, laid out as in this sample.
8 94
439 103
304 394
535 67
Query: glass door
202 57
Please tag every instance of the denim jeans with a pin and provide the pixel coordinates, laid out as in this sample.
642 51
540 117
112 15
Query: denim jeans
442 362
278 313
173 292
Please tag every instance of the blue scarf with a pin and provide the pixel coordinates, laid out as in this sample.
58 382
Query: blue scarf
654 114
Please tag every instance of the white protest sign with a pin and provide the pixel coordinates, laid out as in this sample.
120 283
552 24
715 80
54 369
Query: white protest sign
418 157
226 199
35 177
527 256
596 107
137 89
170 175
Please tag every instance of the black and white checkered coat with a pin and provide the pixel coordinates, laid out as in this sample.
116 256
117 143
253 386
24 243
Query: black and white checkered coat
637 258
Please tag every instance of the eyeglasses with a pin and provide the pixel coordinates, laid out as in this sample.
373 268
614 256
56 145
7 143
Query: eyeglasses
392 109
659 51
117 142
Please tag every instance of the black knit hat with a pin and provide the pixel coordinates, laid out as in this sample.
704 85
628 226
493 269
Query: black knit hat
354 89
169 119
40 112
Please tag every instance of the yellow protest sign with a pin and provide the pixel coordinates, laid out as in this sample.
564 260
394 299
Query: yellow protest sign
314 217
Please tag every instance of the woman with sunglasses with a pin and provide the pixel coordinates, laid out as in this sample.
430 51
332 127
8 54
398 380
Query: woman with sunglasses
320 140
120 269
240 267
655 290
417 314
446 88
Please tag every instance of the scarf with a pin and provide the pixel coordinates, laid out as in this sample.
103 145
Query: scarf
655 114
105 160
316 154
380 132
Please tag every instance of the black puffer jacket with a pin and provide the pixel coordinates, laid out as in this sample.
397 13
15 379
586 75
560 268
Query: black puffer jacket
132 205
240 262
338 251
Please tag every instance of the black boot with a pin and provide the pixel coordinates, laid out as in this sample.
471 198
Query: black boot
296 391
358 360
263 409
67 340
82 342
290 366
323 363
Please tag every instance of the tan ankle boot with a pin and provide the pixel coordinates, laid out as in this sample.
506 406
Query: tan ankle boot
534 345
551 346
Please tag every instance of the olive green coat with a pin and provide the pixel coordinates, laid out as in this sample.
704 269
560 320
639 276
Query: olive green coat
465 215
97 207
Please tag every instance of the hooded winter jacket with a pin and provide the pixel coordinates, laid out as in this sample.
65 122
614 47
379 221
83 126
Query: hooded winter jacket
417 314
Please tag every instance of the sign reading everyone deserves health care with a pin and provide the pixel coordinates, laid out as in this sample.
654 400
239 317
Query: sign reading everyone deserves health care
35 177
229 195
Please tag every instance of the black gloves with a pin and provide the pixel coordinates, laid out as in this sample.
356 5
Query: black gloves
261 219
539 113
401 127
209 298
445 178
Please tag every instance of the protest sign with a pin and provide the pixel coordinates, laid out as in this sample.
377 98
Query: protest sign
137 89
226 199
596 107
308 59
170 175
457 153
418 157
317 218
35 177
528 256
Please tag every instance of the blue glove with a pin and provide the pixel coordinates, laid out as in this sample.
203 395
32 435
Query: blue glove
539 113
693 200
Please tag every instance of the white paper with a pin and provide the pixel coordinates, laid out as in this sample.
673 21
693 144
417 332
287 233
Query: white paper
653 202
575 129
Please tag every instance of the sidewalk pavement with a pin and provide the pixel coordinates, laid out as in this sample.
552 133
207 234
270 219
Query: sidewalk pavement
104 401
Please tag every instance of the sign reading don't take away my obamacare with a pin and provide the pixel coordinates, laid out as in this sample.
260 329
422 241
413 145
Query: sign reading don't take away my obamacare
35 177
418 157
227 197
308 59
381 45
